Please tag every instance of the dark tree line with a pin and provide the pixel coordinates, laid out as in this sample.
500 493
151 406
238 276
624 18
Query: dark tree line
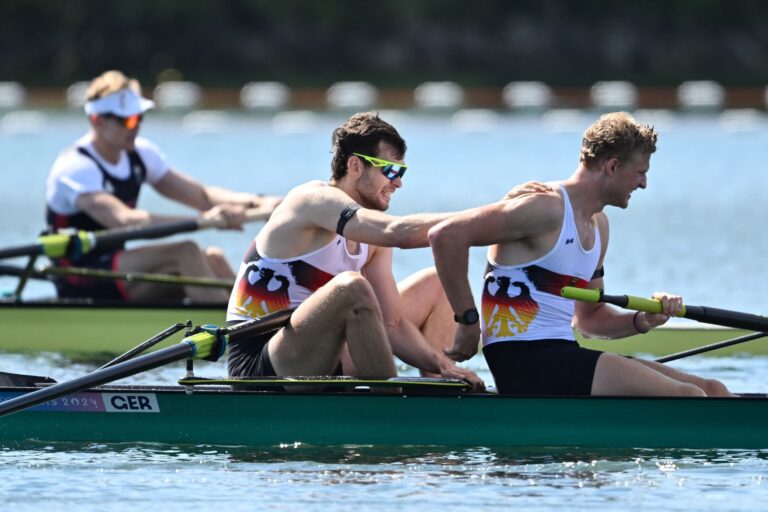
391 43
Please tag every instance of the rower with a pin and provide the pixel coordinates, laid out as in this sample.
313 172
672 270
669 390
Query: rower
95 185
539 243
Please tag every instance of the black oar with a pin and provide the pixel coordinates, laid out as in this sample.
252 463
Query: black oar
46 273
712 346
208 344
703 314
61 244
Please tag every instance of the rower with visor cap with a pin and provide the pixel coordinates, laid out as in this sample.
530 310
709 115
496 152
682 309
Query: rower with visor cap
95 184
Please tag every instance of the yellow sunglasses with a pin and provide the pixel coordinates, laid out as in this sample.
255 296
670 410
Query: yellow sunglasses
390 170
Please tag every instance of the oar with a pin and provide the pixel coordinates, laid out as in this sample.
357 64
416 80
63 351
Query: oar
210 344
59 245
703 314
712 346
45 273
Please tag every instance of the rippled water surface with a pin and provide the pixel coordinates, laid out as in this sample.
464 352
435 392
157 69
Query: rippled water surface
94 477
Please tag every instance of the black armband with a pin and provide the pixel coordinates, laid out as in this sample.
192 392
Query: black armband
599 273
347 213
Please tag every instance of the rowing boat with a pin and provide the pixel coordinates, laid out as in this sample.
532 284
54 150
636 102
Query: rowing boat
267 411
96 331
220 415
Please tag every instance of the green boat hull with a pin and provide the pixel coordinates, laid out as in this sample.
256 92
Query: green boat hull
98 332
94 332
253 418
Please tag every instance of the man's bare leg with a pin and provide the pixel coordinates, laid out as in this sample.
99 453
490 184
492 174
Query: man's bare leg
426 306
343 310
711 387
182 258
219 264
617 375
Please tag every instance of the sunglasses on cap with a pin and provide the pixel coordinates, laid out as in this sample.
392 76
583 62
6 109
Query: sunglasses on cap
129 122
390 170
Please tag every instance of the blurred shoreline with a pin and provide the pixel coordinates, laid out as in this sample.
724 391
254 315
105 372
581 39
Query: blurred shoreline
405 98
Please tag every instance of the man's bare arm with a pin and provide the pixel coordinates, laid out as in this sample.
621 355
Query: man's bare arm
406 340
111 212
508 221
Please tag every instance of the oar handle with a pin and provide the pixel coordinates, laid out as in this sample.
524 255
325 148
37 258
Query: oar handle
706 314
623 301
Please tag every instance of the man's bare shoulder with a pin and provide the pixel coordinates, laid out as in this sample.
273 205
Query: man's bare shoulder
316 191
539 202
532 188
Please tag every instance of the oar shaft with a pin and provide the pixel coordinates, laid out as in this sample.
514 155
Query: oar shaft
47 273
711 347
727 318
117 237
112 373
21 250
267 323
209 343
151 342
139 277
60 244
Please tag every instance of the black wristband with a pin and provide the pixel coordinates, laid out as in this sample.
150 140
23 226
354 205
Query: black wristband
347 213
469 317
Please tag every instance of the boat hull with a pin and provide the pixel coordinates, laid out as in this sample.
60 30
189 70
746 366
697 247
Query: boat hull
252 418
94 332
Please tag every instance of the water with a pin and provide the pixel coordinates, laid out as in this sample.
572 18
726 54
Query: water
695 231
363 478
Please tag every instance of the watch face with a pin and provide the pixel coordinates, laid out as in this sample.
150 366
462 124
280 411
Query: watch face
471 316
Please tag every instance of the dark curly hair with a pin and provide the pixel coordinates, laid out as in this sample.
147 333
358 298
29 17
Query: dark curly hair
617 134
362 133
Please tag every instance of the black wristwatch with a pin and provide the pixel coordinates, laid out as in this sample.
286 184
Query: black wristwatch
469 317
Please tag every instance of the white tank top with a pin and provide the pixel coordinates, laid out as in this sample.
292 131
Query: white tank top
265 285
523 302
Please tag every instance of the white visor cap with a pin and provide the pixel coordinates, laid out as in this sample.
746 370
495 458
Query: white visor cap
123 103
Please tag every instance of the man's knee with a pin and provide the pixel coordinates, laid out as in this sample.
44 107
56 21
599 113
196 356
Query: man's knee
713 387
687 389
353 283
215 253
183 248
354 289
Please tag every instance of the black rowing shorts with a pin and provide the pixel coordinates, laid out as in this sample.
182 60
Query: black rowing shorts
81 287
542 367
250 358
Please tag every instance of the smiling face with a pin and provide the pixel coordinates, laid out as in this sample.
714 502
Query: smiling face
374 190
628 175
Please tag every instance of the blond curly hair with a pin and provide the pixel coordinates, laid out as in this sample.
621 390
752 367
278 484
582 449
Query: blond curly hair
616 135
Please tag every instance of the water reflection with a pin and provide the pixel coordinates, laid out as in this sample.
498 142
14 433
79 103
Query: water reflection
375 477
